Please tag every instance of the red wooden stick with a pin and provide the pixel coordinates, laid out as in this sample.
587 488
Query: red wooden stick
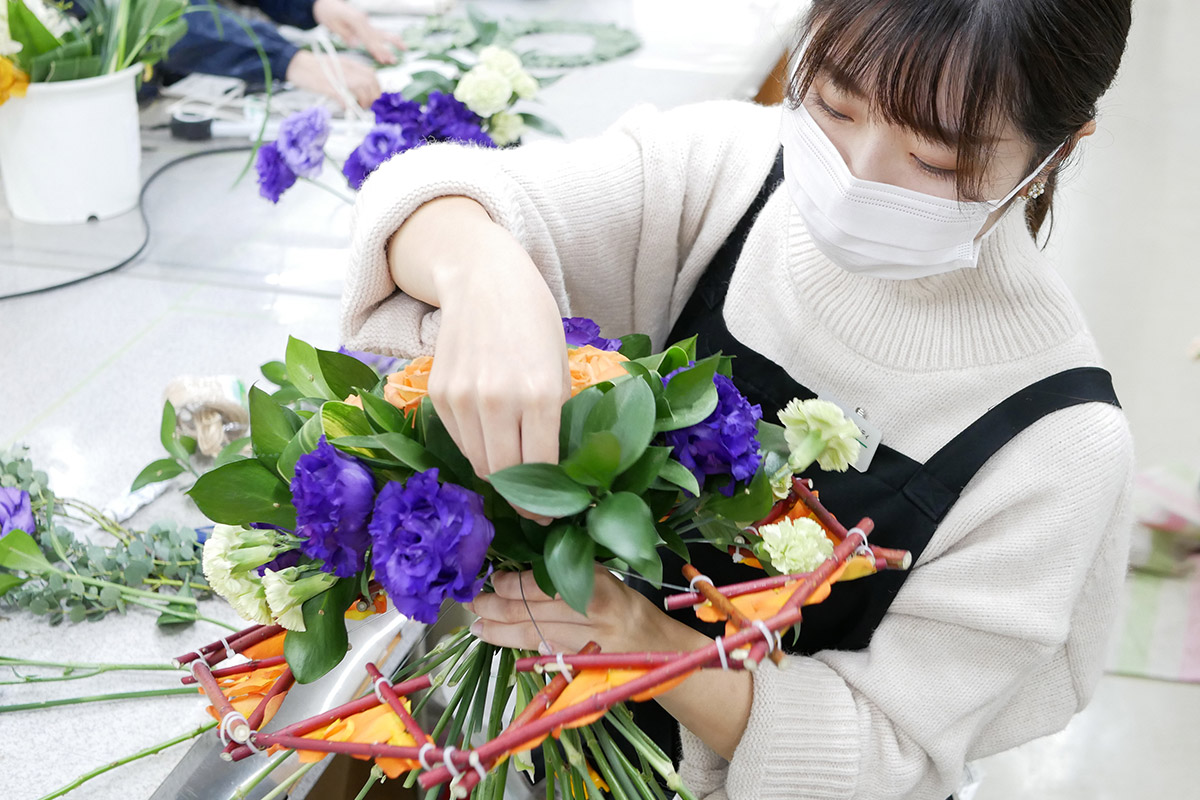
238 669
722 604
394 702
345 748
240 732
208 648
281 685
241 641
678 601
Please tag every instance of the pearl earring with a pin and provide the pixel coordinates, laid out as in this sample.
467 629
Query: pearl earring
1036 190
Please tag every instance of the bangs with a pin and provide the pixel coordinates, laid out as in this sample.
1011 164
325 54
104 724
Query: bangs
941 68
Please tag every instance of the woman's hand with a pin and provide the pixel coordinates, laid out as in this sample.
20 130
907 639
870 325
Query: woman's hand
619 619
500 373
355 29
312 71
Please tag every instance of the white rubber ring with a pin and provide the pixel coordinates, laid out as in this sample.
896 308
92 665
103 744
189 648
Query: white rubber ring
448 760
228 650
563 668
474 761
378 691
253 747
766 632
704 578
223 729
421 756
721 653
862 534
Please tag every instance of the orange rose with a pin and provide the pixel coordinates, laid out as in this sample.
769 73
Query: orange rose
13 82
590 366
405 389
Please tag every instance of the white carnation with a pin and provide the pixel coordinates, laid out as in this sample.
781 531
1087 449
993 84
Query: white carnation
506 62
505 127
836 444
795 545
288 589
484 90
525 85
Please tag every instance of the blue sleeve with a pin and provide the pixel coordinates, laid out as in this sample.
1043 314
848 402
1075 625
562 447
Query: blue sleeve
297 13
227 49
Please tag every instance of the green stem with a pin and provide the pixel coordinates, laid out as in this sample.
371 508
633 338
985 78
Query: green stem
289 781
244 788
89 670
182 613
329 189
126 592
98 698
95 515
171 582
149 751
376 775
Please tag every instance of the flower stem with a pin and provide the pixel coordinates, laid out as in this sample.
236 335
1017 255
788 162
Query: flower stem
329 189
149 751
126 592
88 670
376 774
97 698
289 782
244 788
179 612
171 582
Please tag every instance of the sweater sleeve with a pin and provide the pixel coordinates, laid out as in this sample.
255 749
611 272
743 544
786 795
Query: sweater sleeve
620 225
996 638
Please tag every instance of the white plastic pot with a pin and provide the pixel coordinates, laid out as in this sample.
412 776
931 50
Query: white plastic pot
70 151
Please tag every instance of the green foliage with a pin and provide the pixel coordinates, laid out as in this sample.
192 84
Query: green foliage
244 492
322 644
570 561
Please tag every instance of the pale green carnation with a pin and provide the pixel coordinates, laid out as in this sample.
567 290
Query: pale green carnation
795 545
484 90
288 589
506 62
231 555
837 445
505 127
525 85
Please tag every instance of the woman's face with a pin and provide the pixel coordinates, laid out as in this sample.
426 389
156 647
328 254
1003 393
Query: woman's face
877 150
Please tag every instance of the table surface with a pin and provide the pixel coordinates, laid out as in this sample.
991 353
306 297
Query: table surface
225 279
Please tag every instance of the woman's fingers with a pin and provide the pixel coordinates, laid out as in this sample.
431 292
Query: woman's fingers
562 638
499 609
518 586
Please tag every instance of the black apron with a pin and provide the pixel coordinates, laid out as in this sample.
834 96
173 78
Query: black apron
905 498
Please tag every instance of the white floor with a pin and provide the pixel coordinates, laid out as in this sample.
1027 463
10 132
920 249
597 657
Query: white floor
228 277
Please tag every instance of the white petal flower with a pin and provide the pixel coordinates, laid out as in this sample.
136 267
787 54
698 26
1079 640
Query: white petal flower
525 85
505 127
236 582
506 62
8 47
837 446
288 589
795 545
484 90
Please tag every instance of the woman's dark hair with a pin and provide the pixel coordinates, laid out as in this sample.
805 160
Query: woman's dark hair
956 70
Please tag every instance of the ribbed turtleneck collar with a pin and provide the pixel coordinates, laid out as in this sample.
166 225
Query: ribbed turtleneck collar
1010 306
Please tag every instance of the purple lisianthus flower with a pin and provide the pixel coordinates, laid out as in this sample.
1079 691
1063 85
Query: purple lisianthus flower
301 141
725 442
288 558
430 541
465 133
15 512
383 142
582 331
445 111
334 494
392 109
274 175
381 364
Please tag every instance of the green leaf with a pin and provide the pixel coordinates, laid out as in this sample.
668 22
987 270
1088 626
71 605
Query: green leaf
574 414
622 522
326 374
541 489
406 451
244 492
313 652
628 411
674 358
688 346
485 29
109 595
442 446
137 572
571 563
161 470
596 461
77 613
9 582
343 419
675 473
509 541
542 576
19 552
271 425
305 441
748 504
167 434
422 83
635 345
771 439
26 28
637 478
232 452
275 372
689 397
385 417
673 540
545 126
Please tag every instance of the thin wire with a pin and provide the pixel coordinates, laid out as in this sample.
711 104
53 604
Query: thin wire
664 584
529 611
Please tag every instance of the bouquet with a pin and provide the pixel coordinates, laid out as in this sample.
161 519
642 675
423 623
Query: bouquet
353 497
39 42
474 108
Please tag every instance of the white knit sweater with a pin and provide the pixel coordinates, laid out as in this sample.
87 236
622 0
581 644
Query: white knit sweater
998 635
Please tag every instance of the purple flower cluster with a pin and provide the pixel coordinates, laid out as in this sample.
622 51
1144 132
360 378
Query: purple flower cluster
582 331
725 442
15 511
430 542
401 125
334 494
381 364
298 151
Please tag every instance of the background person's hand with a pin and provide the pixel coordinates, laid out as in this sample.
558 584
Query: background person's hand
306 71
355 29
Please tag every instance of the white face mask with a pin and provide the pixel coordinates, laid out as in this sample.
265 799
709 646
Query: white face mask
874 228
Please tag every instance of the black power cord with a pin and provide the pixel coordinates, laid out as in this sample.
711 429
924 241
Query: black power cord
145 223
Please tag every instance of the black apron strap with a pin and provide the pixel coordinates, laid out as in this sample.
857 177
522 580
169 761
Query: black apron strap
937 485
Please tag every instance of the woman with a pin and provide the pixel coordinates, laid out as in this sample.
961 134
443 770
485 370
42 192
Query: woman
887 259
